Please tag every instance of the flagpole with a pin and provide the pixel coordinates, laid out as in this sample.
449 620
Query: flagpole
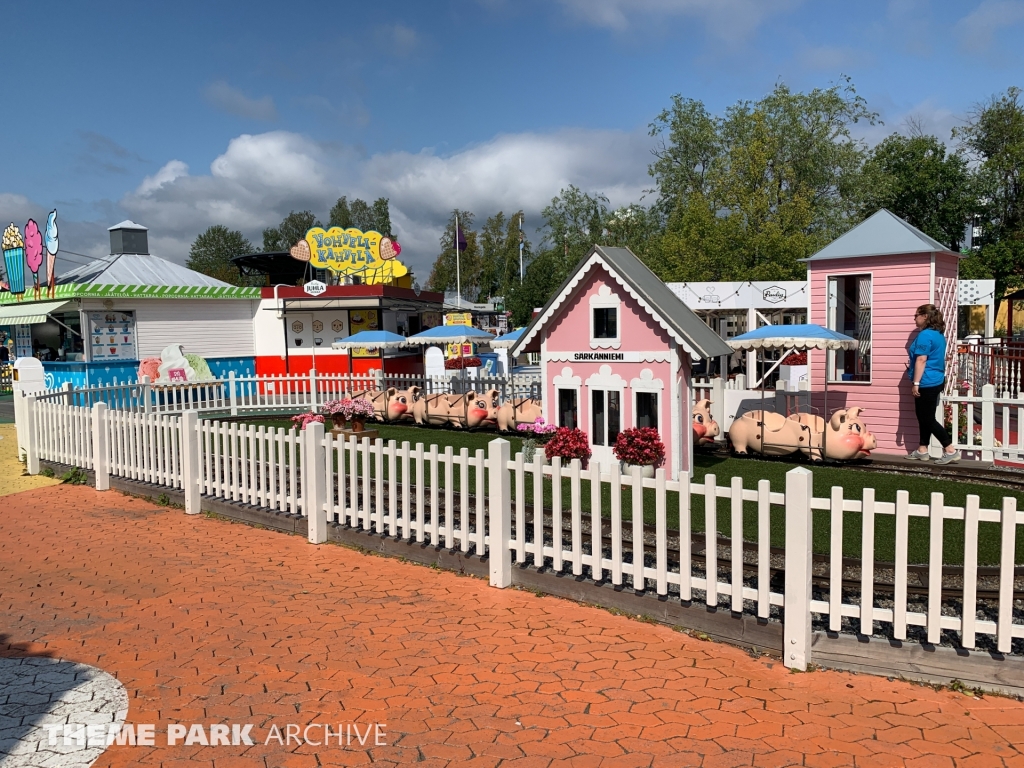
520 249
458 269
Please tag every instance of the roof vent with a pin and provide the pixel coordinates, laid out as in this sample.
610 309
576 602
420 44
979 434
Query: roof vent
128 237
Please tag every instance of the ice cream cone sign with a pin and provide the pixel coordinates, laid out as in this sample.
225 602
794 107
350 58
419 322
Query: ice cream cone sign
34 253
51 252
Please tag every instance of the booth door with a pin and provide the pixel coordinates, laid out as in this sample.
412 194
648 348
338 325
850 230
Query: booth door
605 424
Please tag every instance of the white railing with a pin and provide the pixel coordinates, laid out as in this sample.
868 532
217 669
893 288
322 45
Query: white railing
571 519
986 426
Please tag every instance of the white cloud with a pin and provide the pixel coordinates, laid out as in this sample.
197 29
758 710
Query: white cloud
730 20
260 178
171 171
931 117
233 101
978 28
397 39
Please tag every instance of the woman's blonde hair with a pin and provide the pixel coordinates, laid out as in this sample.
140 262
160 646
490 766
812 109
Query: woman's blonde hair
933 317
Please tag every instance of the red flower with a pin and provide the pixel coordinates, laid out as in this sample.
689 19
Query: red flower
457 363
639 445
568 443
795 358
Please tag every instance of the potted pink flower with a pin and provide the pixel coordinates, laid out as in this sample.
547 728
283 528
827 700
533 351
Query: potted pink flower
639 446
568 443
302 419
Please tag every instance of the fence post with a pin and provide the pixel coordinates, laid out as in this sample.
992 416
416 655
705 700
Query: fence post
718 403
68 392
499 506
31 440
100 457
796 651
988 422
313 403
232 395
145 394
314 483
190 462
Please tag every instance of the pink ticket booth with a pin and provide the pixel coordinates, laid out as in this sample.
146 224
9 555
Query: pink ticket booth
615 346
867 284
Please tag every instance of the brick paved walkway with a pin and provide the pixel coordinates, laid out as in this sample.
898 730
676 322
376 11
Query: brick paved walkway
204 621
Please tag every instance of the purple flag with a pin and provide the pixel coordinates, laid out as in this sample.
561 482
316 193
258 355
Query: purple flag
460 240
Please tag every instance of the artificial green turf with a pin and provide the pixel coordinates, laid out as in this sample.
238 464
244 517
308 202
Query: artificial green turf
852 481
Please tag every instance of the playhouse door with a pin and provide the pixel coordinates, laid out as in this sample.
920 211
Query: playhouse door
605 424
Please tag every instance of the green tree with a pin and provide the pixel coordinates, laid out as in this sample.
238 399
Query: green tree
292 228
499 254
539 284
993 137
763 185
573 224
340 215
380 212
639 229
212 251
915 178
447 271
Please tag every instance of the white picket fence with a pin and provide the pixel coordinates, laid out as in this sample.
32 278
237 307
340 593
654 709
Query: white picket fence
986 426
491 503
278 393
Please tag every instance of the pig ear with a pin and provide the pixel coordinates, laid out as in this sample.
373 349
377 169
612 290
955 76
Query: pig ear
392 391
854 413
837 419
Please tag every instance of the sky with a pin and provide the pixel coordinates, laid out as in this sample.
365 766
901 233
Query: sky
187 114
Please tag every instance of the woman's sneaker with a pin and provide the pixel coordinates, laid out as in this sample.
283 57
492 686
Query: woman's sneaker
919 456
948 458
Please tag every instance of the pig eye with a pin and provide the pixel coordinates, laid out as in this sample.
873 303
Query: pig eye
857 427
402 400
699 419
481 404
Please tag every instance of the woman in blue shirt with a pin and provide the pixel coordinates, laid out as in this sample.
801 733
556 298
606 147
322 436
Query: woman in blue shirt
927 373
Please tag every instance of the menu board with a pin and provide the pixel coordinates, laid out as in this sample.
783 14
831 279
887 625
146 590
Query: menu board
112 335
23 340
363 320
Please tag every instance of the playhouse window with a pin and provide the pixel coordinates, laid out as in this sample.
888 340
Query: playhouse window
567 408
647 409
849 312
606 324
605 416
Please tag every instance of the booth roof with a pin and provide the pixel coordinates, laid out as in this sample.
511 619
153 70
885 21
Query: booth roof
795 337
380 339
508 339
881 234
644 286
138 269
453 334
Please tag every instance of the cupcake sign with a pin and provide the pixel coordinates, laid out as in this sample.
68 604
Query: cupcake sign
350 251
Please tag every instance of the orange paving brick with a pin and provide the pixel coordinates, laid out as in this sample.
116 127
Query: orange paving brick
211 622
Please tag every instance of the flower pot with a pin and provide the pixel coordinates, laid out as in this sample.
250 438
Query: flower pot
338 420
646 470
358 424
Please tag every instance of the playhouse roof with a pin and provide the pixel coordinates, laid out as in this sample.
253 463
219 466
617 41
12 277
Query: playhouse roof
645 287
881 234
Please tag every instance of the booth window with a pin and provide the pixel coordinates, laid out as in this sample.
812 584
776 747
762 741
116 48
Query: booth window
647 409
606 324
849 312
567 408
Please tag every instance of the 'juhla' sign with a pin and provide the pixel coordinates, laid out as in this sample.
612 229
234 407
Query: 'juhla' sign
314 287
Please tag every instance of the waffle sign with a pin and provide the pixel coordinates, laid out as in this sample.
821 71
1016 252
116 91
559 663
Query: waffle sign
368 255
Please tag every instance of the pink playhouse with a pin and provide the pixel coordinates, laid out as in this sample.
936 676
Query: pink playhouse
867 284
615 347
